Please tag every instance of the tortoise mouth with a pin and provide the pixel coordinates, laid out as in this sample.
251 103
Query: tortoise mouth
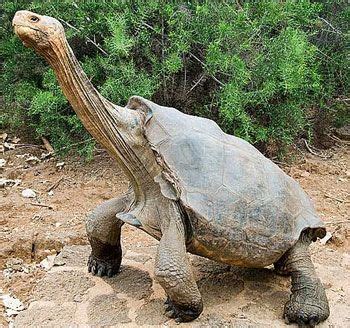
29 35
21 30
23 33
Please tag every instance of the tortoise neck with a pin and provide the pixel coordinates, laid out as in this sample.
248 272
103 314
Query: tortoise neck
106 122
86 101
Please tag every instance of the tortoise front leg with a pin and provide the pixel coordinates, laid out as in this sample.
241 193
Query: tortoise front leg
308 304
103 230
173 272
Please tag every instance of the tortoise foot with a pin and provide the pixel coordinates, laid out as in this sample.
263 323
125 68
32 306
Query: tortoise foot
103 267
181 313
306 309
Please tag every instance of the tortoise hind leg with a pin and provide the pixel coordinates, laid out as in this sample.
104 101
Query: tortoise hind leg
174 273
103 230
308 304
280 266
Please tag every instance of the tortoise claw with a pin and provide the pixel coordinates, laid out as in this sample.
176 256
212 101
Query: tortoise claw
102 268
170 314
100 271
180 313
305 315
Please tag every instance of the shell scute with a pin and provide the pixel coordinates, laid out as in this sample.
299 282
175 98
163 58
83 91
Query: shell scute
234 195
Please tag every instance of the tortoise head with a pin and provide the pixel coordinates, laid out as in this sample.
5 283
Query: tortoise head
38 32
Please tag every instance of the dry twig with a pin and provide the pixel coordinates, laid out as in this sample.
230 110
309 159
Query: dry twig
55 184
313 152
335 138
47 145
334 198
29 146
204 65
200 79
330 25
87 38
42 205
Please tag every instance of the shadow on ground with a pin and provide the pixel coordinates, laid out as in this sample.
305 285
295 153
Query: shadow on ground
233 297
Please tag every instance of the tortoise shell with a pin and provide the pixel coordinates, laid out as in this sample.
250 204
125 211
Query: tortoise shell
238 201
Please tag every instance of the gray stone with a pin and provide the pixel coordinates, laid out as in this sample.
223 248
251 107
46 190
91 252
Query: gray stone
73 256
39 315
151 313
131 281
141 258
108 310
63 286
344 132
220 288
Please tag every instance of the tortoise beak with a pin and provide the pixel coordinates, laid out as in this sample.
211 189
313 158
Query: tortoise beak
20 17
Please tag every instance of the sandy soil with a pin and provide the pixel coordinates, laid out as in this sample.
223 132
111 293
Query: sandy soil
33 228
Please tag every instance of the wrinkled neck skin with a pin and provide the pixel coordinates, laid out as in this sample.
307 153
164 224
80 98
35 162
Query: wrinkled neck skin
118 129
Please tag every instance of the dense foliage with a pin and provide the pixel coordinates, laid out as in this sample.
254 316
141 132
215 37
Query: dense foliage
267 71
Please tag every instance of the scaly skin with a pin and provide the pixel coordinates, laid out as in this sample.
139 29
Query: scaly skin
308 304
104 230
120 131
174 273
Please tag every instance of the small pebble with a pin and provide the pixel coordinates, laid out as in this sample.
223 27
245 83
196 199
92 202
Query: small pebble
28 193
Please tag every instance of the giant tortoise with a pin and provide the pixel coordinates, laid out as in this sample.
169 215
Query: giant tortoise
193 187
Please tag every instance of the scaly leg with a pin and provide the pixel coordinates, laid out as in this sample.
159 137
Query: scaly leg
173 272
103 230
280 266
308 304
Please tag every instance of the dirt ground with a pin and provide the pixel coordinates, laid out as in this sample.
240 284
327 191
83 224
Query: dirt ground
65 190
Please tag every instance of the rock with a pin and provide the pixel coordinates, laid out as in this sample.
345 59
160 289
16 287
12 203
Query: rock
47 315
62 287
48 262
340 235
12 304
73 256
142 258
60 165
15 140
32 160
3 136
9 182
344 132
28 193
78 298
15 264
326 238
305 174
9 146
2 162
45 155
133 282
152 311
108 310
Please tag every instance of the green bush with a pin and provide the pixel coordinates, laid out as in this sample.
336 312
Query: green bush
266 71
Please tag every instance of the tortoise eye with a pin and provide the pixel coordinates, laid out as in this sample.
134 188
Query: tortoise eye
34 19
